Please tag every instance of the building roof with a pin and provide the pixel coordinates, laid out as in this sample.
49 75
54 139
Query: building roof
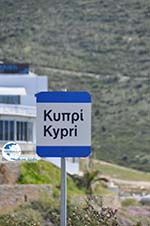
13 91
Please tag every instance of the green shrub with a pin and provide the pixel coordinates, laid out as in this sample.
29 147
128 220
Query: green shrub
23 217
129 202
77 215
43 172
45 211
90 216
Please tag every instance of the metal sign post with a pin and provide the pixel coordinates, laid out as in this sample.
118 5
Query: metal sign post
63 209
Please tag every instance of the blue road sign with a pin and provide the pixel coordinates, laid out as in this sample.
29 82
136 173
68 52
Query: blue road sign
63 124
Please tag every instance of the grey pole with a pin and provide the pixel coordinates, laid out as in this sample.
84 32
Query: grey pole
63 209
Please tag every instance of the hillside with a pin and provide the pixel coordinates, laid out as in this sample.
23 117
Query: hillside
114 171
107 43
93 36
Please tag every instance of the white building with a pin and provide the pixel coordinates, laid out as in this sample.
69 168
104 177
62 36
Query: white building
18 87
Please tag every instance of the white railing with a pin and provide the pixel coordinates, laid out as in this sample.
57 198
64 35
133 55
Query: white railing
21 110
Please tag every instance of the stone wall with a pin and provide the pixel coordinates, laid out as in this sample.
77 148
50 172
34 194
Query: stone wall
98 200
9 172
12 196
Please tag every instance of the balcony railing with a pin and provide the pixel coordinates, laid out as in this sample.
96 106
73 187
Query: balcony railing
20 110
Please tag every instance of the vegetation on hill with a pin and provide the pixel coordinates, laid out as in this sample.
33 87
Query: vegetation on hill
114 171
43 172
110 40
45 211
120 116
92 36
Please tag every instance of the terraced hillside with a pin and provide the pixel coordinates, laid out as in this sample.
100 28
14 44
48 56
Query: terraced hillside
108 44
106 37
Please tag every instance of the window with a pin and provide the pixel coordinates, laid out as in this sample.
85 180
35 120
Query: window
9 99
6 130
11 130
19 130
1 130
24 131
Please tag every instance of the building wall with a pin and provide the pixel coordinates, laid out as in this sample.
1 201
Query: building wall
26 110
31 82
